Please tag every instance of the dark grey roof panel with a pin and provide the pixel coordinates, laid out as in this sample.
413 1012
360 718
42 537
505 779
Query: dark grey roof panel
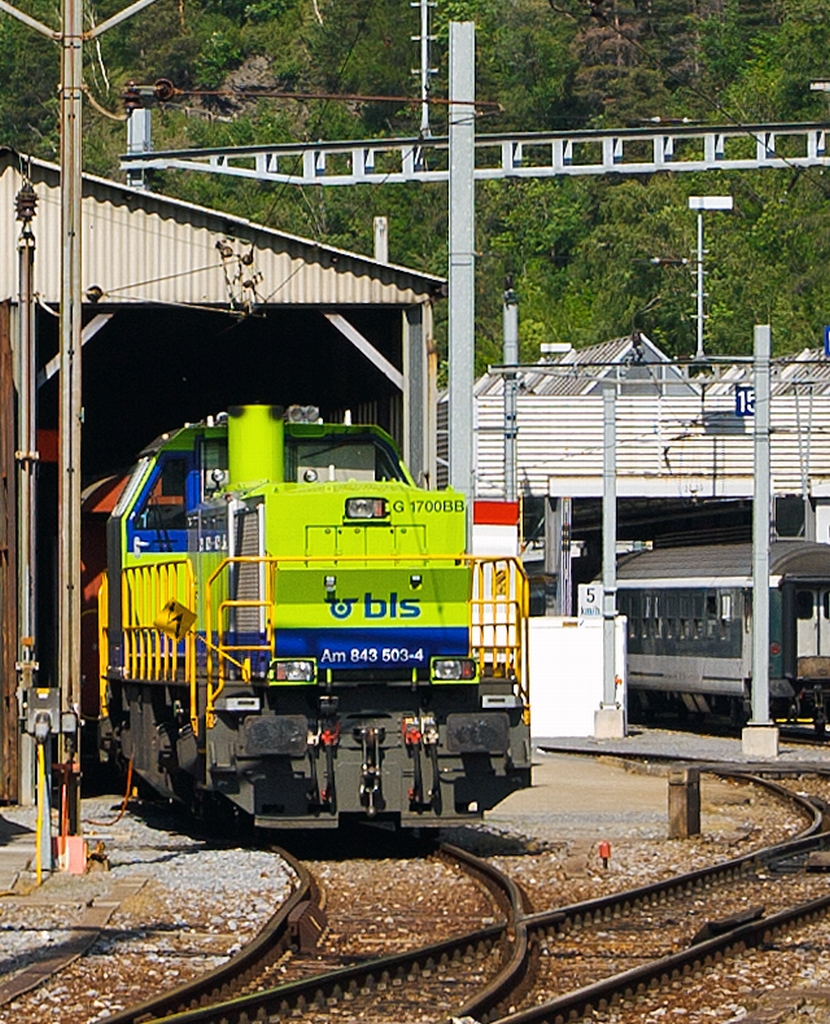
799 558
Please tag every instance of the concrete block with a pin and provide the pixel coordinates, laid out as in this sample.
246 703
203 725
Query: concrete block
71 854
609 724
760 741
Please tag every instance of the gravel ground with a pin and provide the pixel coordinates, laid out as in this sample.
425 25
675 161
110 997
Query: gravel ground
199 904
201 901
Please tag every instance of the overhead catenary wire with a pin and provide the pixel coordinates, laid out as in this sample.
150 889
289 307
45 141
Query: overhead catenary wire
596 12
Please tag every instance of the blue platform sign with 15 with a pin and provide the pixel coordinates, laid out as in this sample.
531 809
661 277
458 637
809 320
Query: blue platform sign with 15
744 400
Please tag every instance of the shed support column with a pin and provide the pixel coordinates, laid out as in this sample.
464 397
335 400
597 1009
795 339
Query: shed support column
418 441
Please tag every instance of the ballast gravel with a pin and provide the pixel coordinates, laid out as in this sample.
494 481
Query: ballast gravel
199 903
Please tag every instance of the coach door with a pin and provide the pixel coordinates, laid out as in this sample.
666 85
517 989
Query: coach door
812 613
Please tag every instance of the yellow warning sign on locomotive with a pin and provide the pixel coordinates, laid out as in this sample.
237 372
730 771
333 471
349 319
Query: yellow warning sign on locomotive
175 620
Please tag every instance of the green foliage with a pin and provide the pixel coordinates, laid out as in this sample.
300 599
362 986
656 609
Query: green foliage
580 250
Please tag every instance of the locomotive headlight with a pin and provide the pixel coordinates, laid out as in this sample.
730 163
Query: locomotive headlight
451 670
366 508
292 672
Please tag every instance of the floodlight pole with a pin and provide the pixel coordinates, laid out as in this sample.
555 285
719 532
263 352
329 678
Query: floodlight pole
701 203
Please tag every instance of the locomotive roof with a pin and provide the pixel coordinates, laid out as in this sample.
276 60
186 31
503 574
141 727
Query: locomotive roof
712 562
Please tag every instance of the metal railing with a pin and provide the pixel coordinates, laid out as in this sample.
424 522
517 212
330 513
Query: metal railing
150 652
498 602
499 610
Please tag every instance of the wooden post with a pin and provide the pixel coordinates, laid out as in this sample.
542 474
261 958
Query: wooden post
684 802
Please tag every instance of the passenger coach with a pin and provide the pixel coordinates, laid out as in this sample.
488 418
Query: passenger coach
689 616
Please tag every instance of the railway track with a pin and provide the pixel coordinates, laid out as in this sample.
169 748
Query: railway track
496 972
296 928
491 956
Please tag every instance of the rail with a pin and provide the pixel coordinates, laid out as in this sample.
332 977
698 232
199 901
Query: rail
517 935
212 1000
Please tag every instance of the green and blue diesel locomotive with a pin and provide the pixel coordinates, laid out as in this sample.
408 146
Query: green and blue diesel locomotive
289 623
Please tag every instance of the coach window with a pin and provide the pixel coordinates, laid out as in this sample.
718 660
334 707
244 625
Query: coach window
804 604
825 603
711 615
725 616
645 622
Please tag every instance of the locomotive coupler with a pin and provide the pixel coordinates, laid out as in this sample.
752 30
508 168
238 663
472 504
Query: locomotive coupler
370 739
429 733
330 737
411 729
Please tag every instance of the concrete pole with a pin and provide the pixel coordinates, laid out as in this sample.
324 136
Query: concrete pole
381 231
760 737
462 256
71 411
510 328
609 721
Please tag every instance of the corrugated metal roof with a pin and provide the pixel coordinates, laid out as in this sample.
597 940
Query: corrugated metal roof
666 446
634 357
673 440
804 373
799 558
141 247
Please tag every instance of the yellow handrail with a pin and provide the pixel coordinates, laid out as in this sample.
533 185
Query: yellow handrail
498 610
103 645
150 653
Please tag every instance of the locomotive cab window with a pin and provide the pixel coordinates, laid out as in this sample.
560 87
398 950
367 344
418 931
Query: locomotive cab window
328 459
164 508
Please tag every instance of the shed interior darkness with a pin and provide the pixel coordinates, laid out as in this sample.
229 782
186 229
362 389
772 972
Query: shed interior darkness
150 370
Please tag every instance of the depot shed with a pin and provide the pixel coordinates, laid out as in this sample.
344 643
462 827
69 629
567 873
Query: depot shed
187 311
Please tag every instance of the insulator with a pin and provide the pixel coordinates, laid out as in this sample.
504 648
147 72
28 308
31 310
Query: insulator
132 98
26 203
164 90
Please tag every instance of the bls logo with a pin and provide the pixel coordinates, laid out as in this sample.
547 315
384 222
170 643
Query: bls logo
376 607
